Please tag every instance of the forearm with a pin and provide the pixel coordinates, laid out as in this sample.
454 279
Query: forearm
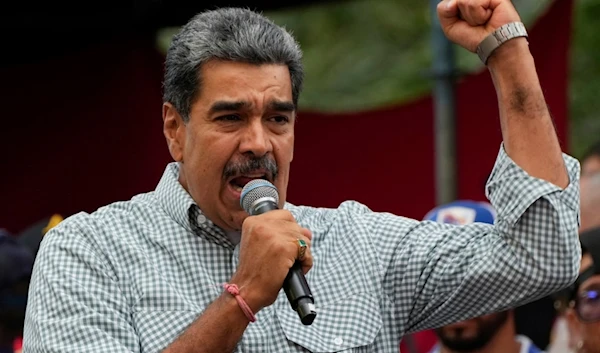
218 329
527 128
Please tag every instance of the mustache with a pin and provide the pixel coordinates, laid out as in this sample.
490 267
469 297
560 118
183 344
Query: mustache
250 165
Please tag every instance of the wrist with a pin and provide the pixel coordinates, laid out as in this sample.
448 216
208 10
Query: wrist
251 297
232 307
510 55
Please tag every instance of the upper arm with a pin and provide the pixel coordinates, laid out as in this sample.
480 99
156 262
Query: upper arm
439 273
75 303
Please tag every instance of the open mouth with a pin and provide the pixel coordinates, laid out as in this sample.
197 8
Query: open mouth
239 182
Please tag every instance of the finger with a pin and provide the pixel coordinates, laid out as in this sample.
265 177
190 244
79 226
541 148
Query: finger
449 15
307 261
475 13
283 215
307 233
448 10
302 250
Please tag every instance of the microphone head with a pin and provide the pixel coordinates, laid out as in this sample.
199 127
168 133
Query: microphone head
255 190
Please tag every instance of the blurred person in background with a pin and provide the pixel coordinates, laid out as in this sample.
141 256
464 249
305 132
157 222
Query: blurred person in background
583 297
16 263
148 274
562 337
17 254
590 163
590 189
493 333
590 202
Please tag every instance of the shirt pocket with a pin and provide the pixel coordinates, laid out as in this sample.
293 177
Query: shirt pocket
350 324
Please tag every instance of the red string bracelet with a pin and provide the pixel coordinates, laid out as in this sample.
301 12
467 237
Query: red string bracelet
235 291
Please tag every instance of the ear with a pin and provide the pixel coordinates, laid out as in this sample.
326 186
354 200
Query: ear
174 131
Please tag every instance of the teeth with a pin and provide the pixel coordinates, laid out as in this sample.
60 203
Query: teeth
236 187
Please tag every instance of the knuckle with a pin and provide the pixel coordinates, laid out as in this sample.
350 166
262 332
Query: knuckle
259 228
287 215
248 222
279 248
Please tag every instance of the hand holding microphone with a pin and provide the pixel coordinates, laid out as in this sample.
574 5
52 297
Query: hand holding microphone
274 253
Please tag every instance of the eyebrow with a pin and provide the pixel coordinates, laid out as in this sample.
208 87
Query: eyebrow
282 106
228 106
224 106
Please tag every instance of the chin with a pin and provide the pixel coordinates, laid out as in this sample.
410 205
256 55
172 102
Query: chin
237 220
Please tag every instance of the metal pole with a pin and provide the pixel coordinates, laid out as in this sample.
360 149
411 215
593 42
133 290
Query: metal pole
444 109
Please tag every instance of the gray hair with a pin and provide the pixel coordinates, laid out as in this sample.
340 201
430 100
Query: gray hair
230 34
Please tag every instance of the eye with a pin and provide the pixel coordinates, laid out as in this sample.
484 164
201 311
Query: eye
280 119
229 117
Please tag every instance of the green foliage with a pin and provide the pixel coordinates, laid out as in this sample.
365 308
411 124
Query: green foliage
361 54
365 54
585 77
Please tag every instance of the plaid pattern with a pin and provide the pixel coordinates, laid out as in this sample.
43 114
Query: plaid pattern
133 275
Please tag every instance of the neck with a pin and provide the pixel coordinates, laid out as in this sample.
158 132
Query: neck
504 341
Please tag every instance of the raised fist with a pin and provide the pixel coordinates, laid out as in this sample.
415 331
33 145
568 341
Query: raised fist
468 22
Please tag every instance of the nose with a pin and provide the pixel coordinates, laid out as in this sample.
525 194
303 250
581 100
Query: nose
255 139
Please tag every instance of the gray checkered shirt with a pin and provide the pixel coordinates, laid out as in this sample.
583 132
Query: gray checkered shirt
132 276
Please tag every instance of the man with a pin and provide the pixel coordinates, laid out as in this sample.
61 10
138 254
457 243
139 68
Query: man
562 341
583 313
485 334
148 274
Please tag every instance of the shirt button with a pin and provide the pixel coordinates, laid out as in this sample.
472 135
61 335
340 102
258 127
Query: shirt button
201 219
338 341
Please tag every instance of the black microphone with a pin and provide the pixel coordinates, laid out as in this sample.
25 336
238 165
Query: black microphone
260 196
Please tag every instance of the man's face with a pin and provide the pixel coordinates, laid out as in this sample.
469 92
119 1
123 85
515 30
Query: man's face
471 335
241 127
586 333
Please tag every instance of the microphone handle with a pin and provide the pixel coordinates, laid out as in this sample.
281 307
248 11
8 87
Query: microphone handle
295 285
299 294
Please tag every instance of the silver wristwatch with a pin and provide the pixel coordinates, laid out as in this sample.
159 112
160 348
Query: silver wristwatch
499 37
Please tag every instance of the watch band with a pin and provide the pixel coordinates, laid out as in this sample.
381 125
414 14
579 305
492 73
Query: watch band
499 37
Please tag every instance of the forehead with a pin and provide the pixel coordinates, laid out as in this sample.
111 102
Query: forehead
244 81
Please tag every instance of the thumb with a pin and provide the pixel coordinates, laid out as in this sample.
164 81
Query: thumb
449 16
456 29
448 10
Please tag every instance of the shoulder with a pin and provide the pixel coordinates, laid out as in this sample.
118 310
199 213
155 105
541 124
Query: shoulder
106 224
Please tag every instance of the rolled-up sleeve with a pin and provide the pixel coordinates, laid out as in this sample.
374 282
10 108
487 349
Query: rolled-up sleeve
440 273
75 303
538 220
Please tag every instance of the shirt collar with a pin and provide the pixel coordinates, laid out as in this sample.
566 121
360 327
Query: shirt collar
173 198
180 206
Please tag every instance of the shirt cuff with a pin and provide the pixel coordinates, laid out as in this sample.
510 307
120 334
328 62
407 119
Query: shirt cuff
511 190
